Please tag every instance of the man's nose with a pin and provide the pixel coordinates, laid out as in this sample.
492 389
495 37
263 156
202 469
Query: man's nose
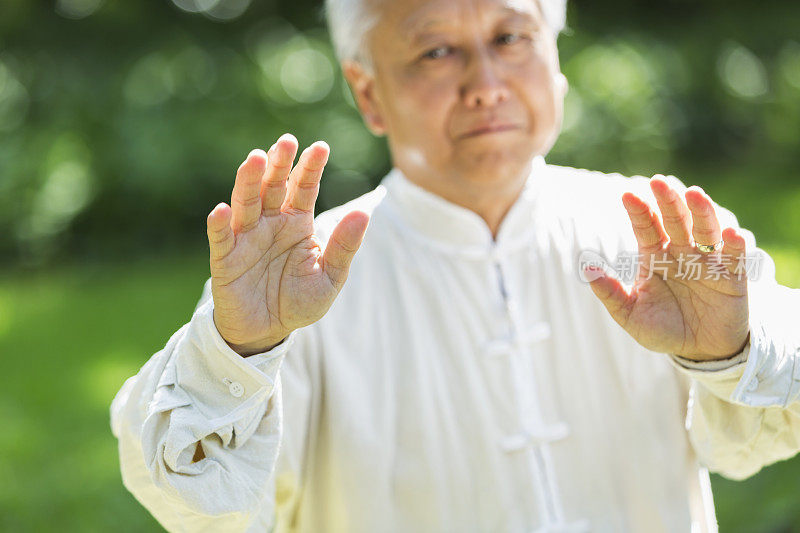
483 87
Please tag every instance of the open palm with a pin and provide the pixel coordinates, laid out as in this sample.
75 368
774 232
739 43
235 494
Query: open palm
684 302
269 275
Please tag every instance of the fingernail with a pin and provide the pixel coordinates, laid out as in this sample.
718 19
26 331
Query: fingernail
321 144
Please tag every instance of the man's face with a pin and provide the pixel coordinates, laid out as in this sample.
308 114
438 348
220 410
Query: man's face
464 89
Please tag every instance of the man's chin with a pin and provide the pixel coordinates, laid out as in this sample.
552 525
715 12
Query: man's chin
494 178
493 164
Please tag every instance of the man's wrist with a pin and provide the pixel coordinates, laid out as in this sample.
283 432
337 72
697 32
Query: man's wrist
711 358
246 350
252 348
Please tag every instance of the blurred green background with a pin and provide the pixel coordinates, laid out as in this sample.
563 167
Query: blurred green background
122 124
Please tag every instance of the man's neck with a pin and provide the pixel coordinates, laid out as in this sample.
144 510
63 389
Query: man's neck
489 199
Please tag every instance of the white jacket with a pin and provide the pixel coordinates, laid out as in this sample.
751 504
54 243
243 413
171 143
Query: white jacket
461 384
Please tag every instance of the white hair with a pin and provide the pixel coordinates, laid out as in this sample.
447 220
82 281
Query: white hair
349 22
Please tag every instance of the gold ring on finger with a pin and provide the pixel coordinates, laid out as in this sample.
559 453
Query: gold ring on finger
710 248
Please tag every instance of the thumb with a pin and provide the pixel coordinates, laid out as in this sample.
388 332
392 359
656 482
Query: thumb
343 245
611 292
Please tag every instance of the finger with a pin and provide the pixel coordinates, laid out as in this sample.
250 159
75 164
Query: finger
246 196
675 215
279 163
304 180
705 224
646 225
342 246
611 292
220 235
735 249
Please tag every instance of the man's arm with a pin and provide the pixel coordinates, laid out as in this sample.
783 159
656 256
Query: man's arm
200 425
740 416
199 429
747 416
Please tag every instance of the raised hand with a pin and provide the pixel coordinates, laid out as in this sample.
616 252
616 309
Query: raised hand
703 316
269 275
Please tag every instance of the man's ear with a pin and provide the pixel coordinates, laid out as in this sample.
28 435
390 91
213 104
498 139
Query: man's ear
362 84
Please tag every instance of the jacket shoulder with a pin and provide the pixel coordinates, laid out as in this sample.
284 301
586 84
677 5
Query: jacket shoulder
594 186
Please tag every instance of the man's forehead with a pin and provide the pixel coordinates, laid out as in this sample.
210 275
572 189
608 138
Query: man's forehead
410 14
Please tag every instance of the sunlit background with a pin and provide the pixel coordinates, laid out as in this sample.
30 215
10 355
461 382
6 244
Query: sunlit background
122 124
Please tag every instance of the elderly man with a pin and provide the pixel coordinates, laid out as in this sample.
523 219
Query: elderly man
465 378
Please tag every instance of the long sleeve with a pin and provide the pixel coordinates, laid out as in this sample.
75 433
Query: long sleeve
743 414
199 431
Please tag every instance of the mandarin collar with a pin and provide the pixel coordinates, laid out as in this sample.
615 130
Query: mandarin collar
447 226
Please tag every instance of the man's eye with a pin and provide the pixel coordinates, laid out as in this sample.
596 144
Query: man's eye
508 38
437 53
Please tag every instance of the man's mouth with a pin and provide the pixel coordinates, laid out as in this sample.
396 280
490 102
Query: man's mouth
489 129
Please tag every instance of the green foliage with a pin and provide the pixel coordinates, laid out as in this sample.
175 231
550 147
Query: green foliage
133 120
69 339
122 123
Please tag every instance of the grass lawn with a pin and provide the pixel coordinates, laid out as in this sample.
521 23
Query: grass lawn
70 337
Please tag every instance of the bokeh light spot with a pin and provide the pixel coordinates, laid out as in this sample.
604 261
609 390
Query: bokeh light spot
13 100
66 190
219 10
352 145
192 73
149 82
77 9
789 61
195 6
573 110
307 75
742 72
65 193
